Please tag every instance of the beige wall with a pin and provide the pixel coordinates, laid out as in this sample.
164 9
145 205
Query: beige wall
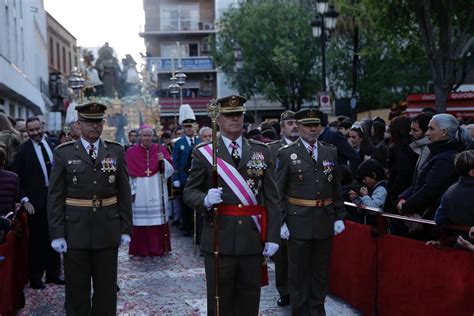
62 55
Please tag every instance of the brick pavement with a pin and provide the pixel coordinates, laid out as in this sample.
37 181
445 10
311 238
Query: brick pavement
171 285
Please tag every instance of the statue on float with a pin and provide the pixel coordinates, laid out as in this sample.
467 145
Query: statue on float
109 71
91 75
130 73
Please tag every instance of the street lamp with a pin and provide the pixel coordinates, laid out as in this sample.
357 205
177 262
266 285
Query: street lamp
325 19
174 90
76 83
180 81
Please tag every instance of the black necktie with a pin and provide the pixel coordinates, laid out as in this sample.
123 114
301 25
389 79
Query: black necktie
46 159
192 143
92 153
235 153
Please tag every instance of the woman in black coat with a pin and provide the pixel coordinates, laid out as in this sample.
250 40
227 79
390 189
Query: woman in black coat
437 174
401 161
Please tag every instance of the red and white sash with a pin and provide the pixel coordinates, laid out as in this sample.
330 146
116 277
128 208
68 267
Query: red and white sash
234 181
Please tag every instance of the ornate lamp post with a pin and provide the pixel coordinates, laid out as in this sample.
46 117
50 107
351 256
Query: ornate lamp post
174 90
325 19
180 81
76 83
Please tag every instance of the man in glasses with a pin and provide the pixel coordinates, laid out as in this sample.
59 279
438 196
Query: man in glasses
89 213
312 211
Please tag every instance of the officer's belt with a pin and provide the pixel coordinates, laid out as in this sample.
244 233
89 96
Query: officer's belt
91 203
251 210
310 203
240 210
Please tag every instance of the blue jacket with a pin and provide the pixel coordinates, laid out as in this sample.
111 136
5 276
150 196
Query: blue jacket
435 177
182 158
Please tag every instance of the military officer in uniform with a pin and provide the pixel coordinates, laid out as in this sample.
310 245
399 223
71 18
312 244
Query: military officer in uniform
309 184
241 235
89 216
182 161
289 134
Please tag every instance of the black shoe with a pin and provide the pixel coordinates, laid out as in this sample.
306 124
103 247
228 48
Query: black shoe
56 281
283 300
37 285
118 288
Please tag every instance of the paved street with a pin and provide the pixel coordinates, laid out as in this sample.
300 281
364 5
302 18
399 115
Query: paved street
173 285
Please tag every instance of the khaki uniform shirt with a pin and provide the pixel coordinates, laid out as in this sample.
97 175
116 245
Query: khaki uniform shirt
75 176
298 176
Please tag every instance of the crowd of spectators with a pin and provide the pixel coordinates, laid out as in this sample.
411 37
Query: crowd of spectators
403 166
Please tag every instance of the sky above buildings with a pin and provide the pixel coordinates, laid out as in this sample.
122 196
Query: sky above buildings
94 22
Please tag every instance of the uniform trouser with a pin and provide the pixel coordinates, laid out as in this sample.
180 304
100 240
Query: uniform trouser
308 262
239 284
82 266
187 214
42 257
281 268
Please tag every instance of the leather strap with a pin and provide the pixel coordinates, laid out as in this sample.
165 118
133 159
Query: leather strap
91 203
309 203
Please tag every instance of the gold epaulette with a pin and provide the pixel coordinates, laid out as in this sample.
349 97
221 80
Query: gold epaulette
253 141
65 144
287 146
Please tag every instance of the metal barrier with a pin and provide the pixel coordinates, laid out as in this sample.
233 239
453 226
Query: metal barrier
382 217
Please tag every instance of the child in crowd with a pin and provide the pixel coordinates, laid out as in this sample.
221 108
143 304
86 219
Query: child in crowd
374 193
456 204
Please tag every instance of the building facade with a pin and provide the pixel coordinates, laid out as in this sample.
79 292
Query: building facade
177 34
23 59
62 58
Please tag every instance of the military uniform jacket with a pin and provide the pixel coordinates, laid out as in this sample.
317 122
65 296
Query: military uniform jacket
75 176
238 235
298 176
275 146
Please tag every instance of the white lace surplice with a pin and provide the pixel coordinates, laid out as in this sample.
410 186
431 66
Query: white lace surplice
148 206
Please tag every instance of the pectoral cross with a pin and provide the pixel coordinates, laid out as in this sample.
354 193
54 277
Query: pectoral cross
147 171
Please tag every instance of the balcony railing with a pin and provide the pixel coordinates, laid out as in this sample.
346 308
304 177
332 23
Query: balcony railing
189 64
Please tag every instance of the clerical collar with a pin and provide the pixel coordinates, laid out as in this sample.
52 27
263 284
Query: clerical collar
227 141
144 147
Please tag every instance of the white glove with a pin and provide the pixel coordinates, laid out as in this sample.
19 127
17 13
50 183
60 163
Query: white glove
176 183
270 249
124 240
59 245
339 227
284 232
213 197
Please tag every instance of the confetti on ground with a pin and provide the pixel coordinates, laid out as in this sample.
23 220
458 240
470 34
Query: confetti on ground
169 285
